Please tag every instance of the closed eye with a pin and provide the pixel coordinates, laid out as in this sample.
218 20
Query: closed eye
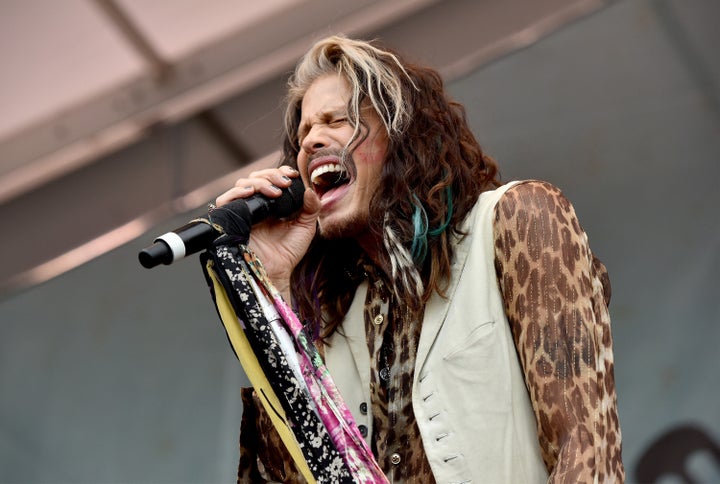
337 122
330 119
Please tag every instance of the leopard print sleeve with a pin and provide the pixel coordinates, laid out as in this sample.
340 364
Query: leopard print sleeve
263 456
556 294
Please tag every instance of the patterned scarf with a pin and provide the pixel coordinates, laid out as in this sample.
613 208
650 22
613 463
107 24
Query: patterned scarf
286 370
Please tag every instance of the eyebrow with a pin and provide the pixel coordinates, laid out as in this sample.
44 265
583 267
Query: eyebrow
324 117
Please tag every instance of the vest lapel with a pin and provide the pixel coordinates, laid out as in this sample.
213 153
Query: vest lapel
437 307
353 341
355 334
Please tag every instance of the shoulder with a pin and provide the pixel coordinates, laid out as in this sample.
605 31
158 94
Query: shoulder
536 201
533 196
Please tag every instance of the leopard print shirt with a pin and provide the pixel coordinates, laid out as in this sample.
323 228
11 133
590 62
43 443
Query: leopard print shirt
392 338
556 295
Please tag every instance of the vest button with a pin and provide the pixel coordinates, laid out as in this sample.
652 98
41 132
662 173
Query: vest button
363 408
395 459
378 319
363 430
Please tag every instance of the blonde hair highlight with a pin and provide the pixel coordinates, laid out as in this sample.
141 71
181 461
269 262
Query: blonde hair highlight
367 70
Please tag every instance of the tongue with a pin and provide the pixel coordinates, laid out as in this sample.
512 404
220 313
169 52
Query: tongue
329 182
333 192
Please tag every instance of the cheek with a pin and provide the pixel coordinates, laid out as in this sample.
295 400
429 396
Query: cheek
302 163
373 151
301 160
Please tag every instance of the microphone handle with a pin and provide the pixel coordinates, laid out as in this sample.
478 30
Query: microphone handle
235 218
186 240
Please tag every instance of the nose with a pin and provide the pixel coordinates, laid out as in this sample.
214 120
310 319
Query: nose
315 140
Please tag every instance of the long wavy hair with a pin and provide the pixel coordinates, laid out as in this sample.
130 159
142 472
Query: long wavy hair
432 176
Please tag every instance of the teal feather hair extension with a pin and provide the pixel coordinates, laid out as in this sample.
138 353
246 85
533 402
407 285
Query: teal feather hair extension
420 226
421 230
441 229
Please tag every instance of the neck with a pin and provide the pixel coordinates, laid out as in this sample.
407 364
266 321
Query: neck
374 249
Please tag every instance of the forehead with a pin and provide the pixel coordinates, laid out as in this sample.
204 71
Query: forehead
326 93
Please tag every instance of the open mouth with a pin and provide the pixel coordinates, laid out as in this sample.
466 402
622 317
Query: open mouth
328 177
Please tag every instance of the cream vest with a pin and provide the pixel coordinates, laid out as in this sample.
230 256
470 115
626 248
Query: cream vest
469 395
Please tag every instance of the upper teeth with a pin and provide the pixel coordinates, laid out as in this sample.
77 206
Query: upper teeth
321 170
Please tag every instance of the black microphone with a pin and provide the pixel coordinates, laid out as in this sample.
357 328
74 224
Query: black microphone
234 218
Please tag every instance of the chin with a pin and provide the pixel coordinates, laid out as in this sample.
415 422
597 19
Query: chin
348 227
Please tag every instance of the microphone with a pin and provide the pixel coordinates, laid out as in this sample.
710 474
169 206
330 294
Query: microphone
234 218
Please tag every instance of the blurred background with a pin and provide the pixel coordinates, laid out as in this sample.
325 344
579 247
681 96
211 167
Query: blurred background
122 119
